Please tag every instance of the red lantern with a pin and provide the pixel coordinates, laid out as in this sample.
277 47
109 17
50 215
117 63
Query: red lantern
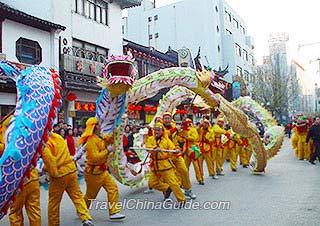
138 108
71 97
78 106
92 107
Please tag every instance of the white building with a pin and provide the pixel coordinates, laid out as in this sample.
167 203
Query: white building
210 24
25 40
93 32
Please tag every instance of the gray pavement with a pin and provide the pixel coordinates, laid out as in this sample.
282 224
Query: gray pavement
287 194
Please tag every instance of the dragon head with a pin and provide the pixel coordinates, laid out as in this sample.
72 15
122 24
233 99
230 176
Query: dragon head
119 74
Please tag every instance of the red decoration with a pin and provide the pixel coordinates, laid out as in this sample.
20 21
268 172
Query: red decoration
71 96
92 107
92 68
79 65
78 106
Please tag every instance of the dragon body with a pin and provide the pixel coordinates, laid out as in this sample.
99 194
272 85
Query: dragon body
38 98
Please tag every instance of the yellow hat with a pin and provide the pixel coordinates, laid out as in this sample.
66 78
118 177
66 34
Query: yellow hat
90 125
167 114
220 120
207 122
158 125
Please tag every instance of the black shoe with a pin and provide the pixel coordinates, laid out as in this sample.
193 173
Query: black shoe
167 193
201 182
245 166
312 162
234 170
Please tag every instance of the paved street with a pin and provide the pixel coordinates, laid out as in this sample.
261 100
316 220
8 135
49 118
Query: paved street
287 194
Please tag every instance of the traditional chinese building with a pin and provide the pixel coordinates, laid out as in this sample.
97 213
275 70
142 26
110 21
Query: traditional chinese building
148 60
25 40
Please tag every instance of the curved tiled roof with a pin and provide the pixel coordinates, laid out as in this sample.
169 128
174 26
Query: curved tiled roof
7 12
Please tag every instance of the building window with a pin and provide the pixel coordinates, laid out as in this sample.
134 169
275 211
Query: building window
89 51
93 9
235 23
149 19
28 51
156 17
245 55
156 35
228 32
218 29
238 50
227 15
246 76
216 8
251 61
218 49
150 36
242 30
239 71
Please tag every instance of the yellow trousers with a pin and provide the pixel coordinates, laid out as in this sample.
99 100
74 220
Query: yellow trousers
303 149
30 198
245 155
57 186
182 172
234 152
196 166
95 183
221 157
162 180
294 143
207 156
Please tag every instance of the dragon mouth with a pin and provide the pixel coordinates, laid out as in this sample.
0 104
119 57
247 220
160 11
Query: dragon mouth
216 87
116 79
121 72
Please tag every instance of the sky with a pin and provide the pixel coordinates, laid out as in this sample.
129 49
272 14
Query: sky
300 19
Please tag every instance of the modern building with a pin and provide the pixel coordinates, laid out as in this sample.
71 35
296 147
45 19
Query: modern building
93 32
211 25
25 40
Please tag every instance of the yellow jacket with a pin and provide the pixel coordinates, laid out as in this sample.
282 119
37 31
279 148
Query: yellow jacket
233 142
218 132
160 160
3 128
56 157
33 176
191 138
97 153
206 138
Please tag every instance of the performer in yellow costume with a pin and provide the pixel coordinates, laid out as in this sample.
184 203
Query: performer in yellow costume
190 137
232 146
162 176
96 174
3 128
171 131
245 152
206 139
63 177
302 149
30 198
218 149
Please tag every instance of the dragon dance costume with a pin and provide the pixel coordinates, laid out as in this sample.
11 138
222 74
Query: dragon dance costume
162 176
206 138
63 177
96 174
